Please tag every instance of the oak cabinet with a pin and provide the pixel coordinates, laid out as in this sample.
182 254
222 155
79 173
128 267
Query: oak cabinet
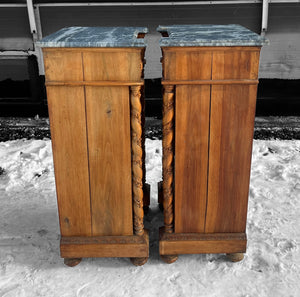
210 77
94 80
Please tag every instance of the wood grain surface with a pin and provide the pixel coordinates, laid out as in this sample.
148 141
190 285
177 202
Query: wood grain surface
215 98
191 157
202 247
89 109
63 66
235 64
69 142
186 65
231 134
108 126
112 65
105 246
196 243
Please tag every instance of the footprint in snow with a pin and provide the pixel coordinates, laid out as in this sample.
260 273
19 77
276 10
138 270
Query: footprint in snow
173 278
286 246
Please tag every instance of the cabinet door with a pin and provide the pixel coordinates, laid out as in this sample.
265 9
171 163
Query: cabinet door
191 155
108 126
231 134
69 142
230 147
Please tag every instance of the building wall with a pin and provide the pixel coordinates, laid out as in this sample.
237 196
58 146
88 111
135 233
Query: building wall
14 29
281 59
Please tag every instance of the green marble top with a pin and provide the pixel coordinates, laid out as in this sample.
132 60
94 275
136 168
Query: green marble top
95 37
209 35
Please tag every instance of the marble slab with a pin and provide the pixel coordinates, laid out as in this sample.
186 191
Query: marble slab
95 37
210 35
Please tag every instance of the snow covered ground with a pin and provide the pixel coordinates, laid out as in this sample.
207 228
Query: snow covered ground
30 264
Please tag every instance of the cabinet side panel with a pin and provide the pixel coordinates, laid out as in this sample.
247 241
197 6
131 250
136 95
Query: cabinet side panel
105 65
63 66
69 142
231 134
187 65
235 64
108 118
191 157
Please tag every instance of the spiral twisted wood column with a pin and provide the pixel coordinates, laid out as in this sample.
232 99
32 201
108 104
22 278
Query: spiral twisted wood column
168 156
137 159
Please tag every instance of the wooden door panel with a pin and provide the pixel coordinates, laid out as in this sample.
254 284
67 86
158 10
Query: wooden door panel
191 157
108 124
69 141
231 134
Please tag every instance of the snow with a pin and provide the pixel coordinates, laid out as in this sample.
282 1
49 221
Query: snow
30 264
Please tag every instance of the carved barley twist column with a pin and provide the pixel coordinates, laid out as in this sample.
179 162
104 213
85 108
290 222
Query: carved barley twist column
137 156
168 156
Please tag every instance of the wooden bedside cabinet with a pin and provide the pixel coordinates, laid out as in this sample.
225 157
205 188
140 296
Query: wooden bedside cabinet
210 77
94 79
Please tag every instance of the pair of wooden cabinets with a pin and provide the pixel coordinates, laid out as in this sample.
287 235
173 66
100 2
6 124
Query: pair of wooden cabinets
96 109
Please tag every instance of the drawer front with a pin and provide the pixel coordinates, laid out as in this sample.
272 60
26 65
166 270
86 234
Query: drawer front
112 66
180 64
235 64
63 65
76 65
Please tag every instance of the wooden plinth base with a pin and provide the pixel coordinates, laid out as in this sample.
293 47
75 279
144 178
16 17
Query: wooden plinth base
194 243
105 246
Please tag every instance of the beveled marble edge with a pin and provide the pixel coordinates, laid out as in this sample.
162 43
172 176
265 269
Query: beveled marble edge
95 37
209 35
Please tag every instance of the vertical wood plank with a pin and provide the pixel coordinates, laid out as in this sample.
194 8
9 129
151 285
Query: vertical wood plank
108 122
69 141
231 134
191 157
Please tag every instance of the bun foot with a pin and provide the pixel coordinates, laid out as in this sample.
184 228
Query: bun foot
71 262
235 257
169 259
139 261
